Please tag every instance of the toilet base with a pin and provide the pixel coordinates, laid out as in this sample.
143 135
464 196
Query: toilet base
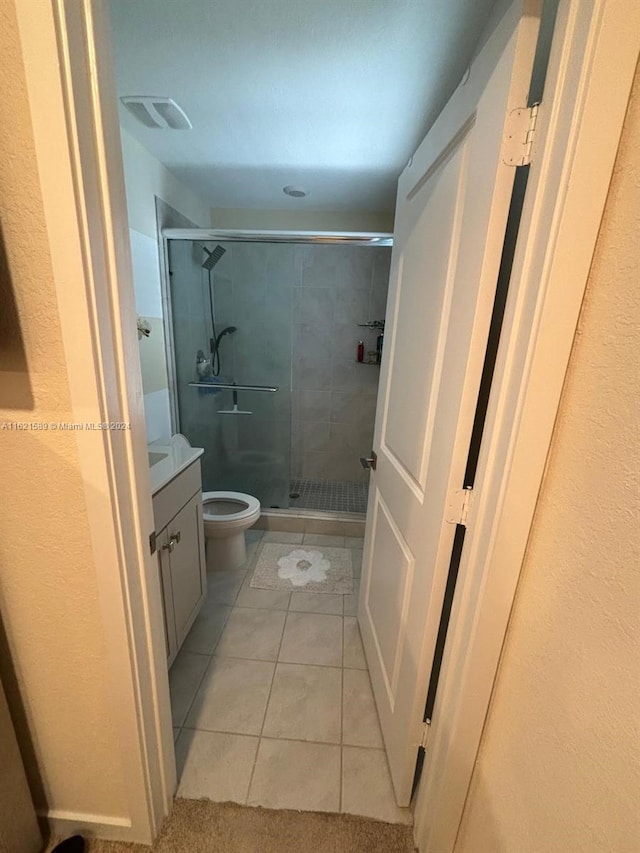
226 553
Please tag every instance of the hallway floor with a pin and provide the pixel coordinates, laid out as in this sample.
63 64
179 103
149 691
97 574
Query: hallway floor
271 698
201 826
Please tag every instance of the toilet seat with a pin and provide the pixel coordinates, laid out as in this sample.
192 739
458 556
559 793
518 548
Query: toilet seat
229 509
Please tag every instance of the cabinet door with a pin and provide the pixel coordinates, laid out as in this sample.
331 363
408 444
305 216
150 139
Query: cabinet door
164 568
186 556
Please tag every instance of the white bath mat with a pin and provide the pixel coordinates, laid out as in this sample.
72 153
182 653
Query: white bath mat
297 568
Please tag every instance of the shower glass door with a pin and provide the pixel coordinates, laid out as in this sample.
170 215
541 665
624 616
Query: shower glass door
231 313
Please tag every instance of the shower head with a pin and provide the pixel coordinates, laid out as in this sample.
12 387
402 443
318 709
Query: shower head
212 257
228 331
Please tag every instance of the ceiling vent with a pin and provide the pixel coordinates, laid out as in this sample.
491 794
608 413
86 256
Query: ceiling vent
154 112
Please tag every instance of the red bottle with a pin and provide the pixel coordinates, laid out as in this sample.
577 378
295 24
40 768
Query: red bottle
360 350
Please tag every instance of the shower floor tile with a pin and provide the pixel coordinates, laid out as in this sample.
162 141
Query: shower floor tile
329 495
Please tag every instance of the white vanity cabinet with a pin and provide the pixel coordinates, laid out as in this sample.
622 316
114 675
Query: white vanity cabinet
177 510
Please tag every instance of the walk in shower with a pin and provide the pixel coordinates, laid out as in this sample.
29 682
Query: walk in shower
263 335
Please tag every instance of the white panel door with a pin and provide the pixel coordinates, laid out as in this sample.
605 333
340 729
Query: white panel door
451 214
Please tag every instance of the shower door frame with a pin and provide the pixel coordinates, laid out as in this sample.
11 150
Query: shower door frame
374 239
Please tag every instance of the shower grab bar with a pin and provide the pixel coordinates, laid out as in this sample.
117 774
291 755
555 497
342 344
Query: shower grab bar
269 388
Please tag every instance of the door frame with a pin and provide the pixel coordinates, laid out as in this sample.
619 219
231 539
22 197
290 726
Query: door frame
72 99
591 67
67 61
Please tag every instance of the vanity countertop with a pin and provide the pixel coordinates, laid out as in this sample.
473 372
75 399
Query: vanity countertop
166 462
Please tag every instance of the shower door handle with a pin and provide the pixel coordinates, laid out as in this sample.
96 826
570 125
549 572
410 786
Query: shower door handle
370 462
270 389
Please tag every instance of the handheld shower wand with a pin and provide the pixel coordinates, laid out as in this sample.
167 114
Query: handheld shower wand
228 331
208 264
214 345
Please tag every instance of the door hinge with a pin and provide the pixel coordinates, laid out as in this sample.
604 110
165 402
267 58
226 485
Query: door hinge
152 542
426 734
458 506
519 136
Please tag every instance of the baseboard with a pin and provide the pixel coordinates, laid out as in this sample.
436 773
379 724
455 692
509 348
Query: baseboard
62 824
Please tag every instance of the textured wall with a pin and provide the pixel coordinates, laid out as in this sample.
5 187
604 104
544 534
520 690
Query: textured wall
52 654
558 768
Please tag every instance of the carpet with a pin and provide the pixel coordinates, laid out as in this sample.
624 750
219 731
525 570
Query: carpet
299 568
202 826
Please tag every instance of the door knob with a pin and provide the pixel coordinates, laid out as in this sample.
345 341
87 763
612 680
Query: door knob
370 461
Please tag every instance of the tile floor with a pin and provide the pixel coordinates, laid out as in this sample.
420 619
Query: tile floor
271 698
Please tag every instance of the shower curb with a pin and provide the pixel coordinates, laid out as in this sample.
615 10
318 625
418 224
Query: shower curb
312 521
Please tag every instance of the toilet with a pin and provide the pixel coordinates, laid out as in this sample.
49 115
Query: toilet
226 516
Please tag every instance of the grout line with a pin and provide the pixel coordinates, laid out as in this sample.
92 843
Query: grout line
287 739
270 609
188 652
319 612
224 627
206 669
275 663
266 708
265 609
284 662
341 715
195 692
229 608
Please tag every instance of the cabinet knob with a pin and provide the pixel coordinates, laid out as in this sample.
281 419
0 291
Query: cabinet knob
173 541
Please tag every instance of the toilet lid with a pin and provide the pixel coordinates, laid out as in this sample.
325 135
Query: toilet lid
179 440
227 506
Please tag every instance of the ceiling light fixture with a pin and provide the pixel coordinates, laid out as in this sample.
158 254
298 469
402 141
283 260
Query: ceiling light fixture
295 192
